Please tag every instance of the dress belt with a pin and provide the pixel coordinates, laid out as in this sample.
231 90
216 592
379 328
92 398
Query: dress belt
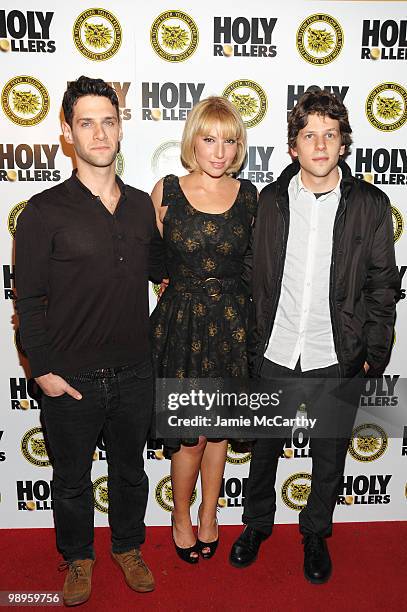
214 287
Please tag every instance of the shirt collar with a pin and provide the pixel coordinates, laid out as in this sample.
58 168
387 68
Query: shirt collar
76 186
299 186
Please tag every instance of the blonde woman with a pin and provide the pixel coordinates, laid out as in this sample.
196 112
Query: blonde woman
199 325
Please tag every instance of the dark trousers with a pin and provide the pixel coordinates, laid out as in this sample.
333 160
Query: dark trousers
328 458
119 407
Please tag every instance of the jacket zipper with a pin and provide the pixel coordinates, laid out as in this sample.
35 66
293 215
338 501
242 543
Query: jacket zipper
336 335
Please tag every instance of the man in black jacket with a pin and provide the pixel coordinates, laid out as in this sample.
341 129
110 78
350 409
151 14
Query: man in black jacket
324 286
83 253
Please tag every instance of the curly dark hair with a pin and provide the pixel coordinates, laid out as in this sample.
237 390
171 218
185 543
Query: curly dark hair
319 103
85 86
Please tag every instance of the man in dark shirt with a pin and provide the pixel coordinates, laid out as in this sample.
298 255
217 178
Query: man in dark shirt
84 252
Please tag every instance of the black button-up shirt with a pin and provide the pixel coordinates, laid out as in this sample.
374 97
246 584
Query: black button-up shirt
82 278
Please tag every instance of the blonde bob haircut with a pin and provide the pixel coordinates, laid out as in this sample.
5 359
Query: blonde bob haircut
201 120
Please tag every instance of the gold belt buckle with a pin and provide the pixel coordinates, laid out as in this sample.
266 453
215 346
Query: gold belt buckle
217 291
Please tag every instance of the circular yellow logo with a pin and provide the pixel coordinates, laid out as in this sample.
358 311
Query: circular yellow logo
34 449
368 442
25 101
398 223
166 159
119 164
319 39
163 494
13 216
386 107
237 458
4 45
100 494
249 99
174 36
97 34
296 489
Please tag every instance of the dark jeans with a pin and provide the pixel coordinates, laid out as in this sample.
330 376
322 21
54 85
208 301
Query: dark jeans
328 456
119 407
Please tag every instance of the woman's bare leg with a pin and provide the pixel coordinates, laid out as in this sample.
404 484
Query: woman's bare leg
185 465
212 469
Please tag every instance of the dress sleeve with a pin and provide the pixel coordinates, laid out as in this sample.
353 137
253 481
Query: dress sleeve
249 196
170 190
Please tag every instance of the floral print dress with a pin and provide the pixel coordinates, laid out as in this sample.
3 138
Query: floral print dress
200 323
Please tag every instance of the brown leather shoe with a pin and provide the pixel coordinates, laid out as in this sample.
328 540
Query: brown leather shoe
78 583
136 573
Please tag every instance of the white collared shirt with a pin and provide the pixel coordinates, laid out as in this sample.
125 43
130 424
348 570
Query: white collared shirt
302 327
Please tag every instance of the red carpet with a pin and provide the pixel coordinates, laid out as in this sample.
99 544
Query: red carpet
369 561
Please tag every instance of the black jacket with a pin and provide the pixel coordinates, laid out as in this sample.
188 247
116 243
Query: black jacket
364 280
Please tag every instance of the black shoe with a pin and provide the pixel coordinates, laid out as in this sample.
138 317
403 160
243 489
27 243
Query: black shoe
212 546
317 562
245 549
186 554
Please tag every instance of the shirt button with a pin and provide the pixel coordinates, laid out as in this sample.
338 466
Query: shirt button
119 236
121 258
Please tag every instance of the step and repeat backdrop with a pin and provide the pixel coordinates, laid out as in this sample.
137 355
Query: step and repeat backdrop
161 61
